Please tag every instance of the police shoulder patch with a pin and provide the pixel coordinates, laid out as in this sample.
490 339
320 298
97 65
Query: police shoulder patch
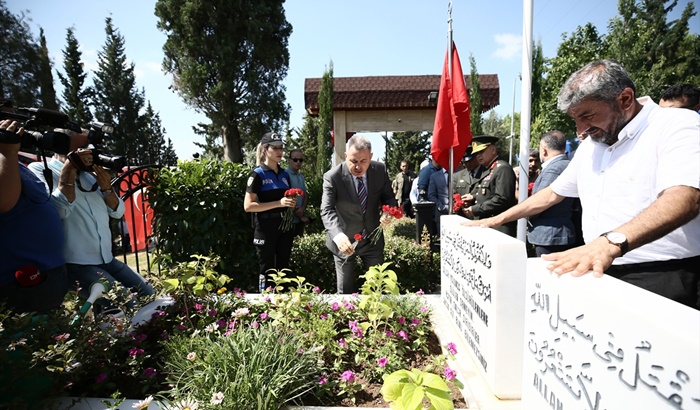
250 181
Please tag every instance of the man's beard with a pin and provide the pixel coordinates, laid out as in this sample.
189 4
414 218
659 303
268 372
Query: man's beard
609 135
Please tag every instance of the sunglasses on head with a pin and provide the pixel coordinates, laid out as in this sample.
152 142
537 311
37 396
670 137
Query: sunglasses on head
297 159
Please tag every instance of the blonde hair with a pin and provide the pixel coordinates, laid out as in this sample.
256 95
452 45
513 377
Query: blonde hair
259 155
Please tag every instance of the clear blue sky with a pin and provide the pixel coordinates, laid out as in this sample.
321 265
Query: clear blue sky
361 37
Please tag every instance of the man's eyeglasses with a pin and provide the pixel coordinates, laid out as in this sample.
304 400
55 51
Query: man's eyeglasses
297 159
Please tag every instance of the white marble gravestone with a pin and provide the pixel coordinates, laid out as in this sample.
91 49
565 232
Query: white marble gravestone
600 343
483 287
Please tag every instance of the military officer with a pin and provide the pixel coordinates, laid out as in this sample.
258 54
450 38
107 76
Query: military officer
494 190
463 180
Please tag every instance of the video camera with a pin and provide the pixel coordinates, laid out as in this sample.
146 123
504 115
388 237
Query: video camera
95 137
39 124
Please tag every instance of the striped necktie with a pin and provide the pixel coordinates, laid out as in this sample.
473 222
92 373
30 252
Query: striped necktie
362 194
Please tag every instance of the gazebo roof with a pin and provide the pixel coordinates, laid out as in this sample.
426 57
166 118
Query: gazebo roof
392 92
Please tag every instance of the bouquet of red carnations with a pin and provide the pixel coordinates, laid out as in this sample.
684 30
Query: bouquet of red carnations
394 211
288 215
459 203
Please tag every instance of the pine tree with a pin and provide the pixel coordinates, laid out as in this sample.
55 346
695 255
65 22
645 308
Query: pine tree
19 52
116 99
211 147
325 123
411 146
76 97
48 93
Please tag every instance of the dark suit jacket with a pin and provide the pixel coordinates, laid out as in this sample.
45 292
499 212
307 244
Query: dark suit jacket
340 207
553 226
494 193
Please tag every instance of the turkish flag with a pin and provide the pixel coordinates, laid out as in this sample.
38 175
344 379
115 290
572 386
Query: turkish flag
452 126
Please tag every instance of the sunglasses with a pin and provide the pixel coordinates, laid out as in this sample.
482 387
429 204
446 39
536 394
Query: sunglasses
297 159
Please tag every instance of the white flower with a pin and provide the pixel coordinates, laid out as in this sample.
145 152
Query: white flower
191 356
241 312
211 328
184 405
143 404
217 398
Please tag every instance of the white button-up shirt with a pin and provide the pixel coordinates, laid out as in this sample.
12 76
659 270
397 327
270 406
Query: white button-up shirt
658 149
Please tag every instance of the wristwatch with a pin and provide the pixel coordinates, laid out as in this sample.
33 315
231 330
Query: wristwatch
618 239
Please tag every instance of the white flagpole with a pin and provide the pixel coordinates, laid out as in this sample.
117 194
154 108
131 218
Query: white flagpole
449 65
525 111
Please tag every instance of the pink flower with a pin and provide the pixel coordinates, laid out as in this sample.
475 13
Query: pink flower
212 312
420 292
401 320
158 313
181 327
100 378
451 347
324 316
450 374
415 321
135 351
403 335
317 289
322 380
149 372
198 306
254 324
342 343
348 376
382 361
423 309
335 306
264 316
388 333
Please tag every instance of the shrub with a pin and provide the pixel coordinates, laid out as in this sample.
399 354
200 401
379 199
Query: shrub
312 260
404 228
198 209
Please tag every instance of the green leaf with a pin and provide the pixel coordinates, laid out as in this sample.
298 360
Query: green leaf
411 397
439 399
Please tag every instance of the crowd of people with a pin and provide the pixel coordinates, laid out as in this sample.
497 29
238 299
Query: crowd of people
598 210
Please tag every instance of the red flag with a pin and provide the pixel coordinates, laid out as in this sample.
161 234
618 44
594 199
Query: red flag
452 128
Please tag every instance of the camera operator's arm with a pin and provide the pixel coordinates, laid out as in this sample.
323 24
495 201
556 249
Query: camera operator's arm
10 183
66 180
104 181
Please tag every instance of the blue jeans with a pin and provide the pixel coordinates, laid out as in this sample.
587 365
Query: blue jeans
114 271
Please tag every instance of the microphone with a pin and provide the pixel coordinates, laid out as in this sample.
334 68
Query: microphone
28 276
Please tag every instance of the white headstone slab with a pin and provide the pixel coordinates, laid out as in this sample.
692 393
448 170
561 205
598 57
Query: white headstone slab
483 288
600 343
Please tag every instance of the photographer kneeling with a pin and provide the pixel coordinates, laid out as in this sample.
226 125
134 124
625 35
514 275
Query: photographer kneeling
82 195
32 270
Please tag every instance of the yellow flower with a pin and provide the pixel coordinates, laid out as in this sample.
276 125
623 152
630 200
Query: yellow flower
220 291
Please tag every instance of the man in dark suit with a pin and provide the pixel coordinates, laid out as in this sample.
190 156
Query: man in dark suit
439 192
353 194
553 229
494 192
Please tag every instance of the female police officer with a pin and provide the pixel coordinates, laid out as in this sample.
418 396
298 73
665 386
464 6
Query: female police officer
265 197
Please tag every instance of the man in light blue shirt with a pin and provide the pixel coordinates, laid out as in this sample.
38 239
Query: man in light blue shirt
85 201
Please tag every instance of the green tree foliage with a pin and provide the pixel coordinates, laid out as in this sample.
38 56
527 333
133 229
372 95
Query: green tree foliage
500 127
211 147
19 53
538 70
475 99
304 139
411 146
228 60
325 123
157 151
76 96
581 47
655 51
117 101
48 93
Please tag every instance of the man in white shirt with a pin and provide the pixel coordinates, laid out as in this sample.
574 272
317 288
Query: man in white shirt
85 202
638 178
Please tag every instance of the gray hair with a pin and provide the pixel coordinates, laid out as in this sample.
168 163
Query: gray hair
554 140
600 80
358 142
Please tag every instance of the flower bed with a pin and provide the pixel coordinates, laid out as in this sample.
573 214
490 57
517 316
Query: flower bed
223 349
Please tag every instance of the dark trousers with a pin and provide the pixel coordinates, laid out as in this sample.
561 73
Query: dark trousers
371 255
273 246
546 249
45 296
677 280
407 207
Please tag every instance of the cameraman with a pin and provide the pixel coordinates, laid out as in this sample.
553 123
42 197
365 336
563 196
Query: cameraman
32 271
85 201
